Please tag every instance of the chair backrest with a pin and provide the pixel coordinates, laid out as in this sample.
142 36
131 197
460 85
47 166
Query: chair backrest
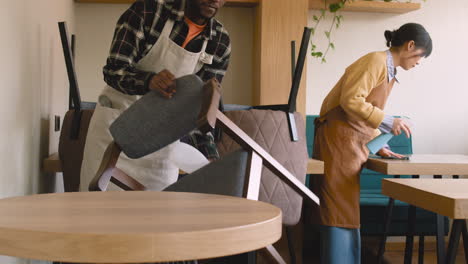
75 123
270 130
71 149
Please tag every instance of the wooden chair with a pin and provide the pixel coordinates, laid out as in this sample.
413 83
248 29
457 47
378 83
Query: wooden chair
207 119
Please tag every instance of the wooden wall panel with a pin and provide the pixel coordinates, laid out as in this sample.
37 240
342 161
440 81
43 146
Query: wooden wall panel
278 22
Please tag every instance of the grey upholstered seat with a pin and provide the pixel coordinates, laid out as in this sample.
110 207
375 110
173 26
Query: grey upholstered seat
225 177
170 119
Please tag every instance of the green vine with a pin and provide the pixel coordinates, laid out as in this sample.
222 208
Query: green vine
337 20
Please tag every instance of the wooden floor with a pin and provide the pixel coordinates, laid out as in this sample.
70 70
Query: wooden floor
394 254
430 257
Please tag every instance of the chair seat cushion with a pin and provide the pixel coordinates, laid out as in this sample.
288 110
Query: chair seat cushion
224 177
154 122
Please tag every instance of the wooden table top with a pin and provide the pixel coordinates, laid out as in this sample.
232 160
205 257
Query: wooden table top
447 197
133 227
315 166
442 164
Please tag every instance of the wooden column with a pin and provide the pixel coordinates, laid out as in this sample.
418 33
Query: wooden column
278 22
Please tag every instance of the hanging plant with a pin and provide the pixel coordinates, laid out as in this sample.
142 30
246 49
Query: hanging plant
336 22
333 9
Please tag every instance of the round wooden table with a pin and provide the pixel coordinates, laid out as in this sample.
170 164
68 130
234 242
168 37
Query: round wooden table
134 227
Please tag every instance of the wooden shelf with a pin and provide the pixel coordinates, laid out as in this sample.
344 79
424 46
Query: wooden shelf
52 164
235 3
370 6
315 166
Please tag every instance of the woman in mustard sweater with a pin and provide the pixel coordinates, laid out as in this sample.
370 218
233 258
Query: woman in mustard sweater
351 115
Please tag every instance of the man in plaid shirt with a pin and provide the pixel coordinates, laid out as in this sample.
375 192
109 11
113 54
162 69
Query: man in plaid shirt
195 29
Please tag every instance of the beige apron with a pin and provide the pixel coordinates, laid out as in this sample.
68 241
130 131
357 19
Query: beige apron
155 171
340 141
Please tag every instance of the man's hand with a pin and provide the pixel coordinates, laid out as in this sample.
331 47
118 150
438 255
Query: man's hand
213 82
164 83
385 152
400 124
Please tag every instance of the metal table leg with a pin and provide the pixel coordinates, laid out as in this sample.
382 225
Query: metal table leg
454 239
387 221
252 257
440 235
292 249
410 234
421 250
465 240
440 239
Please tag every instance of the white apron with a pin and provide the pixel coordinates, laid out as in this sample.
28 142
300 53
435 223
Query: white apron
160 169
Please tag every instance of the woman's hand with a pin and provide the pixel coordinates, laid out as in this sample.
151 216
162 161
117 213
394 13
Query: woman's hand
399 125
385 152
164 83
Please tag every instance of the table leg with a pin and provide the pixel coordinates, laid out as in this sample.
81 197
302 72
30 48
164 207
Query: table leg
465 240
454 239
440 235
292 249
440 238
410 234
421 250
387 221
252 257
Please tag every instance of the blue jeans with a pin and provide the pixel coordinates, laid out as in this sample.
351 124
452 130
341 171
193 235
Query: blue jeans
340 245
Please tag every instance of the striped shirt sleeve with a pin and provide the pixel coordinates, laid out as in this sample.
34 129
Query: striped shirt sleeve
126 49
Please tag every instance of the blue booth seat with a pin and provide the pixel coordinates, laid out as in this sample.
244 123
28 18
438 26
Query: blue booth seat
373 203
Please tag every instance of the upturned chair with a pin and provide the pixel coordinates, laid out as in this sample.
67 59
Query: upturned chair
244 167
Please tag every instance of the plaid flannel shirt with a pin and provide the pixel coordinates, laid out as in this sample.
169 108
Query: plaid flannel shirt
139 28
137 31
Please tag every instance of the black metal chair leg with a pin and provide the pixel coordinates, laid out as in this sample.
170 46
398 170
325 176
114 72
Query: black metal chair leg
457 228
421 250
465 240
387 221
440 239
292 251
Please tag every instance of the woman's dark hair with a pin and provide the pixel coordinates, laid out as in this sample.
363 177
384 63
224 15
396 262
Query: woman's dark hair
408 32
